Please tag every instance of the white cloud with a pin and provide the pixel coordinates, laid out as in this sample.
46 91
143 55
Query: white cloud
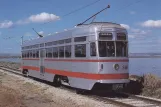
6 24
152 23
132 12
138 33
22 22
125 26
43 17
39 18
131 36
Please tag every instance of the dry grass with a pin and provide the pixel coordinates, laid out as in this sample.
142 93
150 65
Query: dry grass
9 98
152 85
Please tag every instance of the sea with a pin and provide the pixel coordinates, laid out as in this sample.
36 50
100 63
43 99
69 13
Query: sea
137 66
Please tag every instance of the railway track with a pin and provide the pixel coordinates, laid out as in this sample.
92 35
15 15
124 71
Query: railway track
128 101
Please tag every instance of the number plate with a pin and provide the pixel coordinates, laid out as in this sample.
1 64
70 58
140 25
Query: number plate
117 86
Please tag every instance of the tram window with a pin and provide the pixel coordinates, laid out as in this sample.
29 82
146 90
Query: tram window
106 49
55 52
80 50
93 49
105 36
55 42
61 51
42 45
33 54
80 39
68 40
37 53
23 54
49 53
30 54
48 43
68 51
121 36
121 49
61 42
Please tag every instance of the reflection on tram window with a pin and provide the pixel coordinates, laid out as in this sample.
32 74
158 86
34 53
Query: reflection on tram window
30 54
49 53
121 49
61 52
80 50
106 49
93 49
37 53
33 53
80 39
68 51
55 52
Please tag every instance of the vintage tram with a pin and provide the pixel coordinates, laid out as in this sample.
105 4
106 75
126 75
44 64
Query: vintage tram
87 56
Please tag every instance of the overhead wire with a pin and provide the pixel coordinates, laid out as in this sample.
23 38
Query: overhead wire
76 10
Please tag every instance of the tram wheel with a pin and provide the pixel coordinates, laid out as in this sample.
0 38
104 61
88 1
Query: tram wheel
57 81
25 73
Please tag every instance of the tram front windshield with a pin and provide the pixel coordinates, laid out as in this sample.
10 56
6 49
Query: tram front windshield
107 49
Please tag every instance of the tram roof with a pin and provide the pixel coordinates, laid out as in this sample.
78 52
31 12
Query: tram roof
79 30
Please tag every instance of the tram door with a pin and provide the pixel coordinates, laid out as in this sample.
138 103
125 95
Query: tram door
42 68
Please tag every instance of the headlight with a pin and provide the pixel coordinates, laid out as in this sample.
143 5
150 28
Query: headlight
116 66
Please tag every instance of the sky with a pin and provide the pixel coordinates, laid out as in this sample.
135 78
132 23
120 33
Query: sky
142 19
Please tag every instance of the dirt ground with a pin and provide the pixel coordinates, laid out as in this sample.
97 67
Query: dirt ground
17 91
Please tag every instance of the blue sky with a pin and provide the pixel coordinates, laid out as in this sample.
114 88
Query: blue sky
142 18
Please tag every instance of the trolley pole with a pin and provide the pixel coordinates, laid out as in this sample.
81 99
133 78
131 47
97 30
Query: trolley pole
21 40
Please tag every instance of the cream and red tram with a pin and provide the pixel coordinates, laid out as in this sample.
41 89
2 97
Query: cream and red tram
84 57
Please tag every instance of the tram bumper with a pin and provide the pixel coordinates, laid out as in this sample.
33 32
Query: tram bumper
109 85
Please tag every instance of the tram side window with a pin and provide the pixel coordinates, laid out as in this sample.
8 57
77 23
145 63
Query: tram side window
55 42
23 54
80 50
80 39
121 49
106 49
49 53
33 53
93 49
68 40
42 45
30 54
55 52
61 51
61 41
37 53
68 51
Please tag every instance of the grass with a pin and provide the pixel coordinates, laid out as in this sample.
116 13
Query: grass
152 85
147 85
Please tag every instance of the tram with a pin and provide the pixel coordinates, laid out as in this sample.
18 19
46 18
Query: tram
84 57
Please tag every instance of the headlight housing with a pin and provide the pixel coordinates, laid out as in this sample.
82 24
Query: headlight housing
116 66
